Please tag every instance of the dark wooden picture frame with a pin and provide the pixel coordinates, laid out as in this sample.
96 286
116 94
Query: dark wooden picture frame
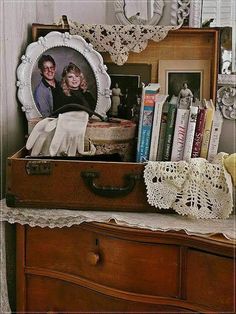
38 30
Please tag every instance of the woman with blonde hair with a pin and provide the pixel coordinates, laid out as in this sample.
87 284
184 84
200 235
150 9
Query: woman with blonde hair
75 89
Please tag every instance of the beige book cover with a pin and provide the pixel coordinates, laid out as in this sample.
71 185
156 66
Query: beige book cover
207 129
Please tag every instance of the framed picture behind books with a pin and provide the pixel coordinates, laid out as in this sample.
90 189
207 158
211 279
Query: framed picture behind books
124 95
174 75
141 69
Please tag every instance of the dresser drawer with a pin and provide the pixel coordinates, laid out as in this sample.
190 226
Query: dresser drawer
49 295
218 275
115 262
107 267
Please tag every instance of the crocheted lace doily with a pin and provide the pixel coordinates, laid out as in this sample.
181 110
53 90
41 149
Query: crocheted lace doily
196 188
119 40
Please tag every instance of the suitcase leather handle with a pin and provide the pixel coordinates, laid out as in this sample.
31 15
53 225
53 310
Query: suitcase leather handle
110 191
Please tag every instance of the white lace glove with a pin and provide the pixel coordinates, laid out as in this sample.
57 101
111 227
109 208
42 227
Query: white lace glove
40 138
69 135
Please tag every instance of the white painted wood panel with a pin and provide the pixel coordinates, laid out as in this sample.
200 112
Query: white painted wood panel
88 12
221 10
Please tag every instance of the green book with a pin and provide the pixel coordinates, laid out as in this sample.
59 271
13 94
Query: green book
169 133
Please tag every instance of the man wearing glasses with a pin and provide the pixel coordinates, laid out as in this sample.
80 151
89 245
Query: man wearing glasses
48 90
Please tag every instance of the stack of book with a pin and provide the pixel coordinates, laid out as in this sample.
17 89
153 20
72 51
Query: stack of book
150 122
168 132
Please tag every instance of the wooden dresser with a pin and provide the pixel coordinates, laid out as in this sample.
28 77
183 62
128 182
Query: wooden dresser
97 267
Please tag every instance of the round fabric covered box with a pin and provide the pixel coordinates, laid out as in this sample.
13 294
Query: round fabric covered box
115 136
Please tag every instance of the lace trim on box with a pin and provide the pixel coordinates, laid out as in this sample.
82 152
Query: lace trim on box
119 40
196 188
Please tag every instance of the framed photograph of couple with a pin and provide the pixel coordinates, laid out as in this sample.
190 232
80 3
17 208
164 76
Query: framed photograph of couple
195 75
65 63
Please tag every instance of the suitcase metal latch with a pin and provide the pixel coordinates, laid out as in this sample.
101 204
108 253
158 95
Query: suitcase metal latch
36 167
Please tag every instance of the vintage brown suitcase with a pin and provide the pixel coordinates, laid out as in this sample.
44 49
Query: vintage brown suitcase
103 185
75 184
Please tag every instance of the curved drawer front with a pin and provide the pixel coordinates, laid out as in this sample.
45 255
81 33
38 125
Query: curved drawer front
122 264
68 297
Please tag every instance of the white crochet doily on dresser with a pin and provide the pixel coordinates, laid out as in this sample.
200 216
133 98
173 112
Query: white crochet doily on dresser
196 188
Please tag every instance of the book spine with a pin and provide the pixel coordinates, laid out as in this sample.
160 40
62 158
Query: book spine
215 135
170 125
162 136
190 133
146 128
140 125
181 124
197 142
207 132
146 133
159 102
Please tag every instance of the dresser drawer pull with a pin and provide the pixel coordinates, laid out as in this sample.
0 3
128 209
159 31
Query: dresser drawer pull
110 191
93 258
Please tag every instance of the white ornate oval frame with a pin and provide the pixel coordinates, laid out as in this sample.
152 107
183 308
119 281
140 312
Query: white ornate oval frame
53 40
157 12
179 10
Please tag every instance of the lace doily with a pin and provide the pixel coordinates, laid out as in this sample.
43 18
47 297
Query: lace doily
196 188
59 218
119 40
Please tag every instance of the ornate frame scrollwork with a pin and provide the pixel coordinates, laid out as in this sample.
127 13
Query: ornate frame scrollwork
81 47
226 100
158 6
188 10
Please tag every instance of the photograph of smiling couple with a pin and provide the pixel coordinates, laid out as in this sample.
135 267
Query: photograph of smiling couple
60 79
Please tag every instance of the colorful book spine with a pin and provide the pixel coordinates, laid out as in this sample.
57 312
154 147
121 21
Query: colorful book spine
170 127
200 124
145 121
207 129
140 123
190 133
181 125
148 111
159 102
215 135
162 133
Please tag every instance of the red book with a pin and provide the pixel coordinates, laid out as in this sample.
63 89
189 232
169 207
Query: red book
198 135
